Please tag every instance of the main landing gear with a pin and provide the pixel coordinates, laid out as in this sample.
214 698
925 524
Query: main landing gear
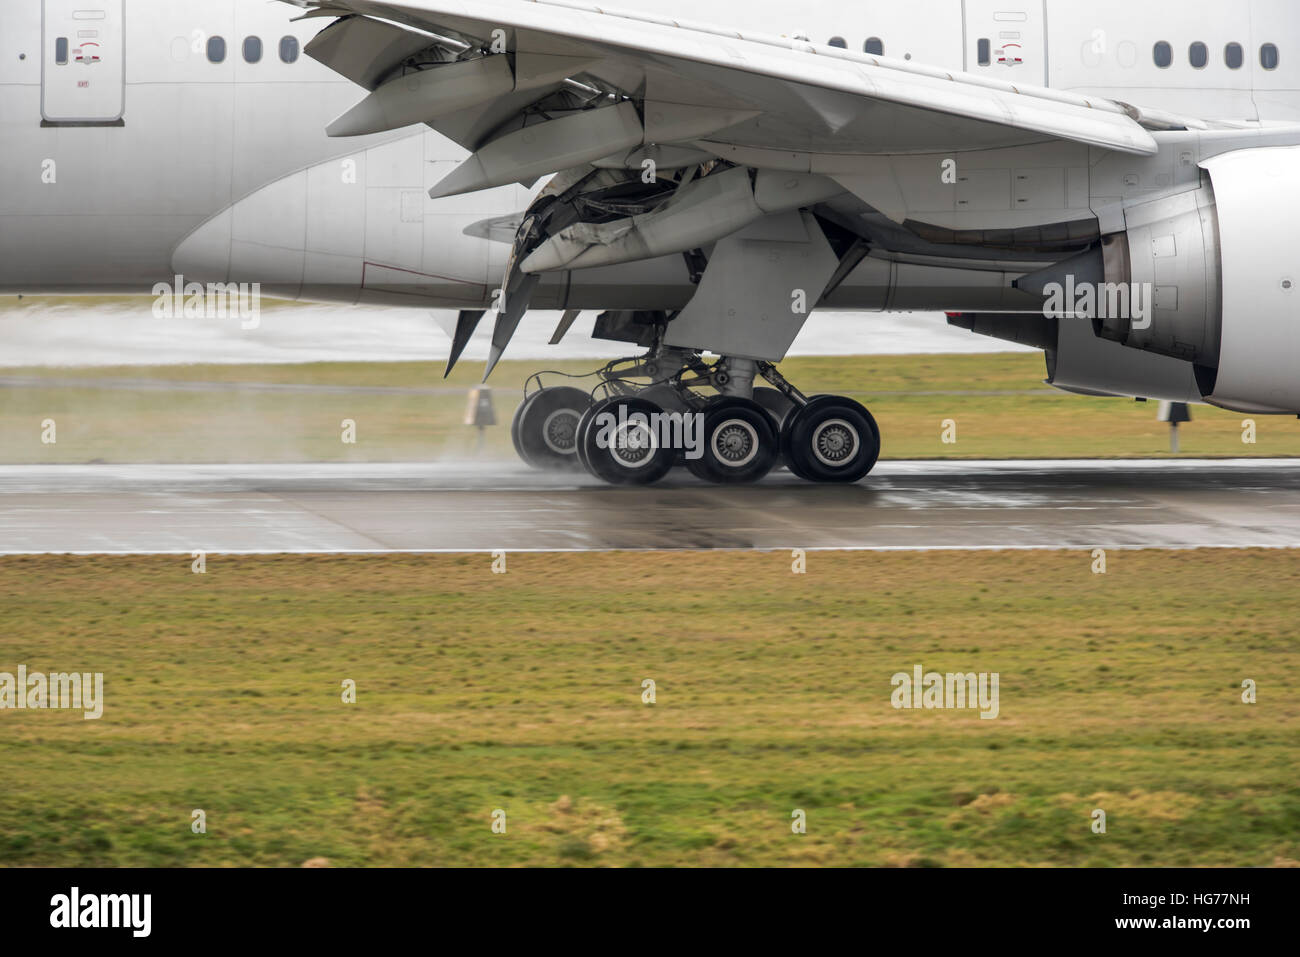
646 416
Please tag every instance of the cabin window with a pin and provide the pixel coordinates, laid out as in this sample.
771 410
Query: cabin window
1268 56
252 49
875 46
1199 55
985 52
217 49
837 42
1234 56
289 49
61 51
1164 54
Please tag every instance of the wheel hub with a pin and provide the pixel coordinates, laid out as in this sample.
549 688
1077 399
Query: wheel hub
835 442
735 443
560 431
633 445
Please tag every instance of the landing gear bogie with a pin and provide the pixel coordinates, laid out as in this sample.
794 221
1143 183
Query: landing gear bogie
727 438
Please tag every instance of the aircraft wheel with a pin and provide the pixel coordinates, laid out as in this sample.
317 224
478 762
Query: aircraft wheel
780 408
777 405
788 461
740 444
620 444
545 428
831 439
514 425
584 424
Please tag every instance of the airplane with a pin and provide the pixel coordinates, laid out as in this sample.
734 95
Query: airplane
1115 183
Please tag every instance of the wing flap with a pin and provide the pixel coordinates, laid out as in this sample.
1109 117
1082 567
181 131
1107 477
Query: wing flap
814 98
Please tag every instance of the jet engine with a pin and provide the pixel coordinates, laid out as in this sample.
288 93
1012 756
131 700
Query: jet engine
1220 279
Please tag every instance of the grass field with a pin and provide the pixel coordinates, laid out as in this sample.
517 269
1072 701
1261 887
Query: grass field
522 692
406 412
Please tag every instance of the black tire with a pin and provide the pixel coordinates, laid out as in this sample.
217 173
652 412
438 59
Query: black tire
740 444
831 439
624 449
670 400
547 426
514 426
777 405
790 464
584 424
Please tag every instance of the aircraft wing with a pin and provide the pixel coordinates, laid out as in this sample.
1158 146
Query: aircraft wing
721 128
748 97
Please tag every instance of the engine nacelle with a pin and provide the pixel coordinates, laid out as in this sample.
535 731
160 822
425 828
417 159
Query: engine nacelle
1257 193
1168 261
1082 363
1218 268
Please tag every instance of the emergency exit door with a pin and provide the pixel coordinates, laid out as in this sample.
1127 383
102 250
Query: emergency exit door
83 71
1005 39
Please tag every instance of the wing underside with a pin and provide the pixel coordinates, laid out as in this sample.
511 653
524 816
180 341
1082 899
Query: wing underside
663 136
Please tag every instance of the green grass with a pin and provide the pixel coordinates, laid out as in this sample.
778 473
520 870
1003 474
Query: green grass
1000 406
523 692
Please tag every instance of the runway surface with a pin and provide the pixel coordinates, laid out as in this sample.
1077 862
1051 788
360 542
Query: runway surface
438 507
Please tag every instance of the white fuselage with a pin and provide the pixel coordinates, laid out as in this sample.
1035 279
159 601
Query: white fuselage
113 153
